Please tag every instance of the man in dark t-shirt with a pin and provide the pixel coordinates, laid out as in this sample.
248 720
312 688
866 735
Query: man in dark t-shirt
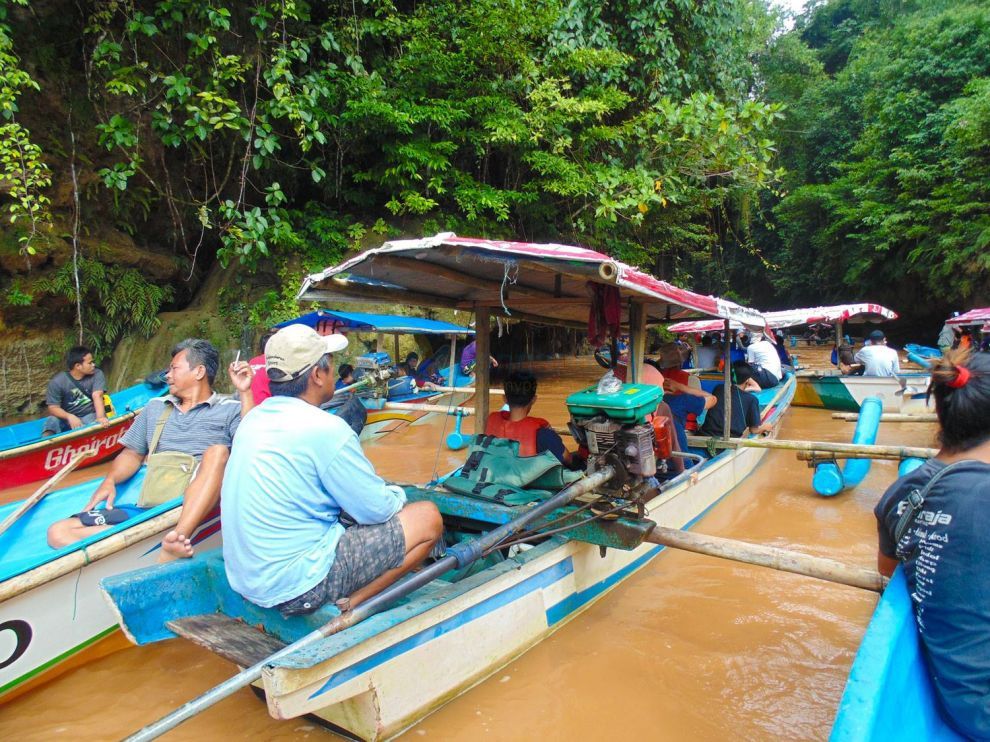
944 553
75 397
745 407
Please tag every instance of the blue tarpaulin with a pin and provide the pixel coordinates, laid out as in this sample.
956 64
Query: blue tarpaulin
388 323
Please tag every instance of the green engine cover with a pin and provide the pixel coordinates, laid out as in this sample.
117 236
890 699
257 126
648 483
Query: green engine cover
631 404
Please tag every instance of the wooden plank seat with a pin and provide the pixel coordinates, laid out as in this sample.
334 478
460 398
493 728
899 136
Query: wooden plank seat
228 637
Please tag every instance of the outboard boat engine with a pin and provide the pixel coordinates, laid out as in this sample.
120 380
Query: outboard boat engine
617 427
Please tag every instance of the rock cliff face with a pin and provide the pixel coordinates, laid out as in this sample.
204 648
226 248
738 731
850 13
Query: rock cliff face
27 362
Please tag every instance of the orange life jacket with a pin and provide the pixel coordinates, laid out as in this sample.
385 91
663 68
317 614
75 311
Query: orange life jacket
523 431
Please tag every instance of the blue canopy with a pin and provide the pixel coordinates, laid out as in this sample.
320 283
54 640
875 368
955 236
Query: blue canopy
388 323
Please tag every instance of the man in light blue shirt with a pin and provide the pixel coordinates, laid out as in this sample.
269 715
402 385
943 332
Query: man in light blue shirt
292 470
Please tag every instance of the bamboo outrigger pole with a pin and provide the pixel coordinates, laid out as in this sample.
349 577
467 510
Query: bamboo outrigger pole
890 417
904 452
769 556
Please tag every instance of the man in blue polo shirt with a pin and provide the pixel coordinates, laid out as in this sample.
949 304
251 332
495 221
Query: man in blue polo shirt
199 422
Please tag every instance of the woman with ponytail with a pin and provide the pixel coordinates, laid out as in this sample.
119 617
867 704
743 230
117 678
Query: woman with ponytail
936 523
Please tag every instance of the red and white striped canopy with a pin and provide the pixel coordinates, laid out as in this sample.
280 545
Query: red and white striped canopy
535 282
854 313
972 317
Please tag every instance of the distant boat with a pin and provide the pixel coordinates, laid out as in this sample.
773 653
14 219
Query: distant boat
889 694
906 393
383 419
25 456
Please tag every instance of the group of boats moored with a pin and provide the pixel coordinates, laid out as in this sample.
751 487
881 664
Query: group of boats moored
364 677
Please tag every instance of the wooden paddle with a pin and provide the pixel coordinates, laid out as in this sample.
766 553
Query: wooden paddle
458 556
39 493
769 556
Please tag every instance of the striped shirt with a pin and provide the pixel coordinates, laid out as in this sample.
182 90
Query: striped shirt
209 423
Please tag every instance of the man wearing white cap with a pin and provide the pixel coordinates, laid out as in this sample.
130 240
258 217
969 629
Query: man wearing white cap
293 469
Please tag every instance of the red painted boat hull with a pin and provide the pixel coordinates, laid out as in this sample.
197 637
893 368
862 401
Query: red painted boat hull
38 461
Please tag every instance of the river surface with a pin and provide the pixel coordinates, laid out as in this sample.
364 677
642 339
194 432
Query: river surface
690 647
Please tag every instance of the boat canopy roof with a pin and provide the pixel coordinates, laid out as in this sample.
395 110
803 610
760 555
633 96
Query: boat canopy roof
544 283
384 323
852 313
972 317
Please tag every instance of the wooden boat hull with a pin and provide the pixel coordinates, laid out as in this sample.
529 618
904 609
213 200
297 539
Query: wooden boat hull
846 393
889 693
27 457
383 675
51 622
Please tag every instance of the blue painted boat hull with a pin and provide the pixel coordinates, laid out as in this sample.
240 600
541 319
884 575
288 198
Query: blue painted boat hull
889 695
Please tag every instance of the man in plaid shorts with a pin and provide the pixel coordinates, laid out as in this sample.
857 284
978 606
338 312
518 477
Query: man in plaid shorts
293 469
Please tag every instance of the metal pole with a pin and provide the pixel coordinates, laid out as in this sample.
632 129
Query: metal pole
727 383
452 381
458 556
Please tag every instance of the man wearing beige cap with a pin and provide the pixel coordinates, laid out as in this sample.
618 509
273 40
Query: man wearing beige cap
293 469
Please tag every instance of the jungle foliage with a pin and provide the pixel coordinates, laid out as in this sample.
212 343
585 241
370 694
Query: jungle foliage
269 132
886 143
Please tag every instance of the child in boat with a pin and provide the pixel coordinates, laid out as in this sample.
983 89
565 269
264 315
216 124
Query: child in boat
943 542
534 434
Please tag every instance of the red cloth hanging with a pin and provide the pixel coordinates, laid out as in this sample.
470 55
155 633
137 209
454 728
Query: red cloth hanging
605 314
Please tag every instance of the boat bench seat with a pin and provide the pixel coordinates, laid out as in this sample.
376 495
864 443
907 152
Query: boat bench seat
228 637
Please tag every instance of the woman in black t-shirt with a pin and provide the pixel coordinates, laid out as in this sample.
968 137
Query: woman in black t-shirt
944 543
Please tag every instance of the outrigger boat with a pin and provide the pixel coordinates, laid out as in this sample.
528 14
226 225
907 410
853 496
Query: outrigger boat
387 410
832 390
482 605
50 604
889 693
52 615
25 456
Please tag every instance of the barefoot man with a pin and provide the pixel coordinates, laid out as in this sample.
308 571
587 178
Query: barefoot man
200 423
293 469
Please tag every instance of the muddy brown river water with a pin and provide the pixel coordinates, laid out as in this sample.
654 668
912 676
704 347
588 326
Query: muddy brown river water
690 647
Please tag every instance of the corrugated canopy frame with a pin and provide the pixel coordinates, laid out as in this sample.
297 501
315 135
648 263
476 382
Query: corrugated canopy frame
384 323
972 317
544 283
849 313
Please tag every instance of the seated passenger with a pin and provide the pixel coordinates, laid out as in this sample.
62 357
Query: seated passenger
685 401
191 419
707 354
533 434
293 470
941 541
745 406
75 396
846 361
762 356
346 374
877 358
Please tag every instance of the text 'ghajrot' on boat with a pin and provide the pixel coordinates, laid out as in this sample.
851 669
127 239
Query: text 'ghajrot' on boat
524 550
393 393
845 387
27 455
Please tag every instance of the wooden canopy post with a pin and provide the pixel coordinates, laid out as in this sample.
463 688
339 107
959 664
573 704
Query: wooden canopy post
412 371
727 382
637 341
452 381
481 366
380 344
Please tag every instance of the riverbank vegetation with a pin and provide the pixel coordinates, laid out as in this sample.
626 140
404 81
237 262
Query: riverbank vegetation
146 142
